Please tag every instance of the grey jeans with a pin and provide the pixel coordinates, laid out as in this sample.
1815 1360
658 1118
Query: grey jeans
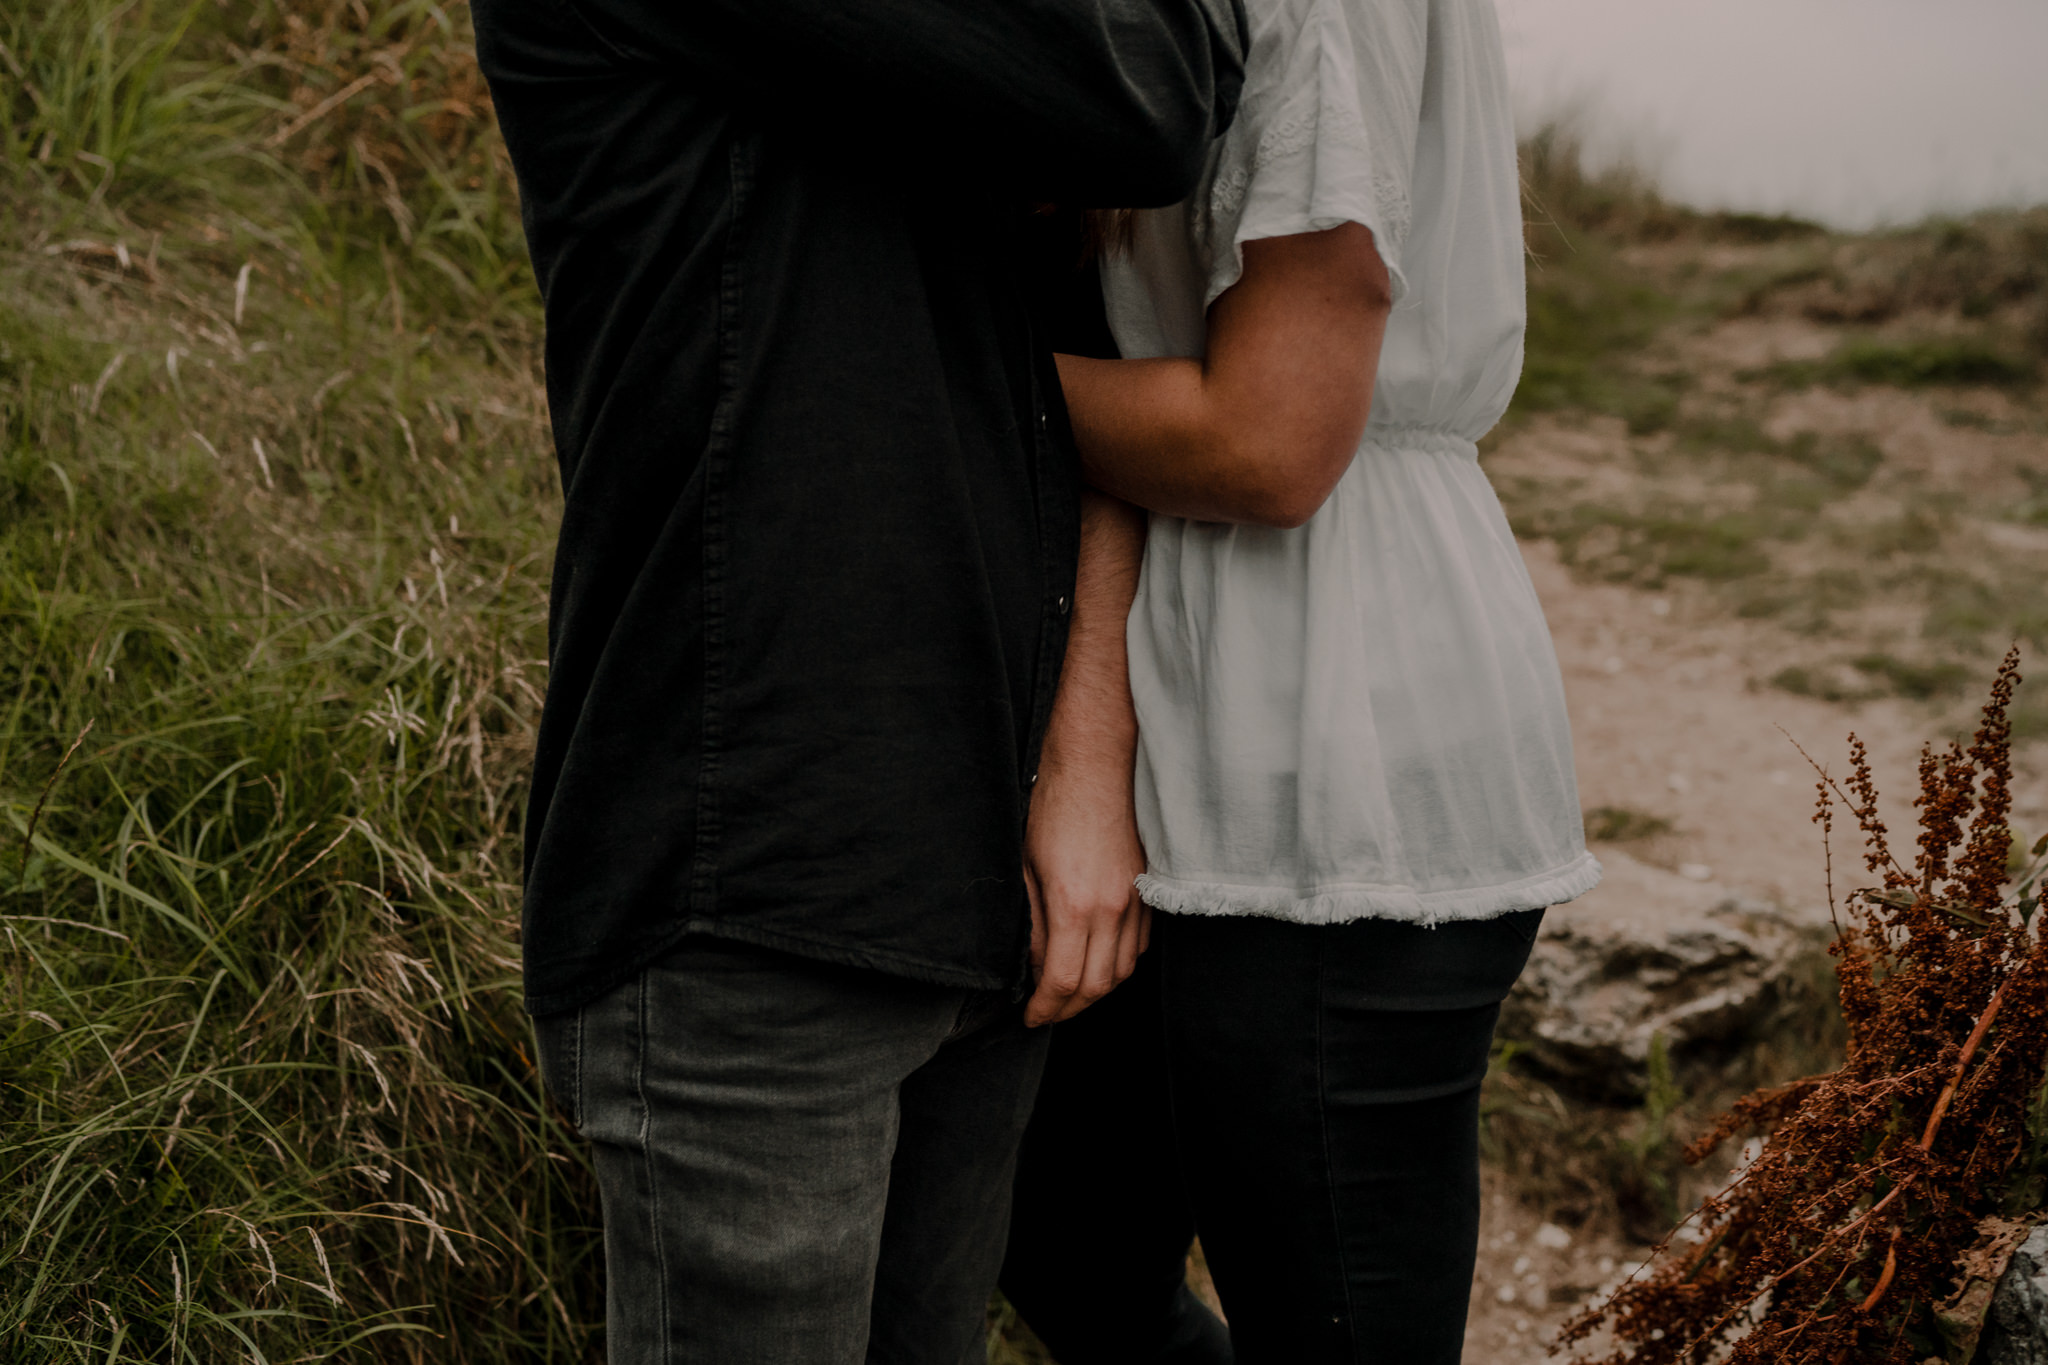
801 1164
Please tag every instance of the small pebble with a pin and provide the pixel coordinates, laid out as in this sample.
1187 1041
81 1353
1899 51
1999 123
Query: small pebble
1696 872
1552 1237
1679 783
1506 1293
1660 606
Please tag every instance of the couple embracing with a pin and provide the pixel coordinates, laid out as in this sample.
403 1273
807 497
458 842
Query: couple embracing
1050 747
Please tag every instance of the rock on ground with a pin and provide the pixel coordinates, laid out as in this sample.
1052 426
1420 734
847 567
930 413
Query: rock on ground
2017 1333
1599 989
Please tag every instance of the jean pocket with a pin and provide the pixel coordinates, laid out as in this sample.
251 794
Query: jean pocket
558 1042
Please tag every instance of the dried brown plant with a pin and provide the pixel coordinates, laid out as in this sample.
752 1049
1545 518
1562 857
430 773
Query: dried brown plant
1840 1243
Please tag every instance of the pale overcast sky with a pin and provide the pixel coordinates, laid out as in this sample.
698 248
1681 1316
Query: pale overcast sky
1855 112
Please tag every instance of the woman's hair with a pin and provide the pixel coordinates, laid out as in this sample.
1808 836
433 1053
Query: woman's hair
1107 232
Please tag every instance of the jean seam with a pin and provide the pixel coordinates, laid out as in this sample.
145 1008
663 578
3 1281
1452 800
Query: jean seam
1330 1168
647 1166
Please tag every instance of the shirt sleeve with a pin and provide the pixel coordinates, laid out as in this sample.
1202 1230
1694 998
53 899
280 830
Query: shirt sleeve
1325 134
1101 102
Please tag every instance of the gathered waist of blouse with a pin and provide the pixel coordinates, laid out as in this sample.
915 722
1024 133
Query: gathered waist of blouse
1402 439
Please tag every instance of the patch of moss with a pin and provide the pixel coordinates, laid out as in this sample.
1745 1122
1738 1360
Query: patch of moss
2029 712
1968 610
1759 228
1589 317
1919 681
1943 360
1646 548
1623 824
1803 472
1927 362
1826 684
2033 509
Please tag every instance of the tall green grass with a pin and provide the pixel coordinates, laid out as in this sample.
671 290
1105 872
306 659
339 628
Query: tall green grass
275 505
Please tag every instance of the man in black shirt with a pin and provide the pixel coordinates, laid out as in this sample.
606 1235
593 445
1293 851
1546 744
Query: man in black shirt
815 576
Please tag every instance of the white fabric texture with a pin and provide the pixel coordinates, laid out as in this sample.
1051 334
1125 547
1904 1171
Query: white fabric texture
1363 716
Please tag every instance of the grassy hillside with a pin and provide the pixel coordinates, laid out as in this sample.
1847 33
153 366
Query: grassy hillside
275 506
1838 437
276 502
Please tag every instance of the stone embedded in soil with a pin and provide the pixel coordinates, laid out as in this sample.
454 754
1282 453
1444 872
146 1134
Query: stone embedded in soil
2017 1331
1598 991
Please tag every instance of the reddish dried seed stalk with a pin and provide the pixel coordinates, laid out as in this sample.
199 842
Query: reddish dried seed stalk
1873 1178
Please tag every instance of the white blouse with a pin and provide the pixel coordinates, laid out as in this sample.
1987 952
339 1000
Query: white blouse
1361 717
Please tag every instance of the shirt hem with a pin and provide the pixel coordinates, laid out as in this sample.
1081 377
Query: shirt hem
1343 903
901 965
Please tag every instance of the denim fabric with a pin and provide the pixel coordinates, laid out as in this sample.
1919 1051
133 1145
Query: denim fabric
1304 1096
801 1164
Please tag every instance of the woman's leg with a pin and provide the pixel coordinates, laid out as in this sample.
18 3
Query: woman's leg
1331 1142
1100 1227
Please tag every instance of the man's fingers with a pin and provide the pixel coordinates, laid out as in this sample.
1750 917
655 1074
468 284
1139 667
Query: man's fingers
1060 973
1099 975
1144 926
1048 1004
1130 938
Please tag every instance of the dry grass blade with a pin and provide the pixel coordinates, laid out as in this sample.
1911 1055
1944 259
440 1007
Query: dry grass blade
28 835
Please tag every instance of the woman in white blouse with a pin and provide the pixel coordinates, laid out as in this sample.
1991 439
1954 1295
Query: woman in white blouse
1341 768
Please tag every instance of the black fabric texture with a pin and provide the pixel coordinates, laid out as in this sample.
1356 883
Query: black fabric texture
820 523
1306 1097
1101 1224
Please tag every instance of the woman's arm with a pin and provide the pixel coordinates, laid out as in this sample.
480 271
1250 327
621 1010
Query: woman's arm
1262 428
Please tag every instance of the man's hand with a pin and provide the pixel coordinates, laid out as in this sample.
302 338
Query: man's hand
1081 858
1081 851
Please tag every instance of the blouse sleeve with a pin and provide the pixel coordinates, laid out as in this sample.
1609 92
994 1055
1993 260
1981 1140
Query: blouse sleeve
1325 134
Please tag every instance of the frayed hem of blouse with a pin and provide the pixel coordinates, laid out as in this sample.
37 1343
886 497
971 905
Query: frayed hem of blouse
1340 905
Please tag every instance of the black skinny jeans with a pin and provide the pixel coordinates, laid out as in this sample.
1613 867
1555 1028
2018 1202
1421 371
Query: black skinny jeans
1307 1097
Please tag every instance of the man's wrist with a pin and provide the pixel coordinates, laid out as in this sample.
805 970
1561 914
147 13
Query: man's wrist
1106 756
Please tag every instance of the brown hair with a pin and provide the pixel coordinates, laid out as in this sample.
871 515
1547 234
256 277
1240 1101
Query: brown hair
1107 232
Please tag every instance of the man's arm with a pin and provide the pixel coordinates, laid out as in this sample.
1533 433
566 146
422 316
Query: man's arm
1081 850
1094 101
1262 427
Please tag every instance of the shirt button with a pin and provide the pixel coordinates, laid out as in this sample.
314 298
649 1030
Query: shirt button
1041 419
1032 781
1062 604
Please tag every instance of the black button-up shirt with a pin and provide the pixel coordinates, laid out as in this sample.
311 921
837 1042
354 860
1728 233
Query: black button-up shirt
810 597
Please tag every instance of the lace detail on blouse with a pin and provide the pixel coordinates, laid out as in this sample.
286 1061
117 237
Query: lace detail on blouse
1328 126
